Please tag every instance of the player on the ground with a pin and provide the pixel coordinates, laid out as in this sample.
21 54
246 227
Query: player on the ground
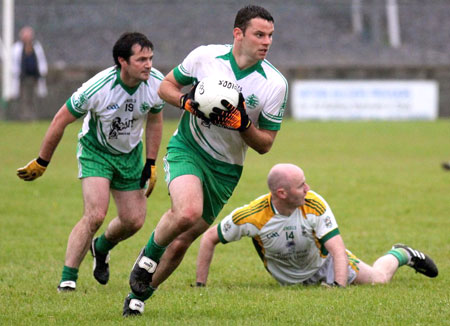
117 104
205 158
296 235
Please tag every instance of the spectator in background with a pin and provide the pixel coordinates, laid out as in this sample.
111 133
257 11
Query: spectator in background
29 70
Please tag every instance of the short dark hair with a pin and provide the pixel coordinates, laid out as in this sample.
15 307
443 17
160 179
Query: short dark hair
123 45
249 12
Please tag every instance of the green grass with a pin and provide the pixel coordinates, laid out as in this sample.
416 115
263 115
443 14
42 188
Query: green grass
383 181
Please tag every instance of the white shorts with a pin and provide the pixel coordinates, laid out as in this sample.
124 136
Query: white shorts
326 273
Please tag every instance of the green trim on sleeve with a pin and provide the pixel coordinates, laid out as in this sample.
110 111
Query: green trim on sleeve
182 79
328 236
157 109
72 111
219 232
325 238
264 123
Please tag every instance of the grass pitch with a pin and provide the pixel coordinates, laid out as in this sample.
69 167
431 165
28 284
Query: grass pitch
383 181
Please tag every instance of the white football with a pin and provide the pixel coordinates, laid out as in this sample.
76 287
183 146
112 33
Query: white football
212 90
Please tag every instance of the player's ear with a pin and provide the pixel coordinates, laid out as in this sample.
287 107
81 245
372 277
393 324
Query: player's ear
281 193
238 34
122 61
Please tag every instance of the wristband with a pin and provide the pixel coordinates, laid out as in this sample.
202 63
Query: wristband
42 162
249 123
150 161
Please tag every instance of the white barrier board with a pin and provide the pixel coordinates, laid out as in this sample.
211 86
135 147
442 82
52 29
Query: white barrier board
364 100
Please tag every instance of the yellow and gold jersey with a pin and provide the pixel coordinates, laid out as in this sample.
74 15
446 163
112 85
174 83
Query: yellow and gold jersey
291 247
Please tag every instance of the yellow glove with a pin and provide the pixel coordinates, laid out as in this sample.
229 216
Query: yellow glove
34 169
149 173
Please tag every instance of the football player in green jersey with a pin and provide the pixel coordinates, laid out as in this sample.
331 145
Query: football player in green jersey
117 103
205 157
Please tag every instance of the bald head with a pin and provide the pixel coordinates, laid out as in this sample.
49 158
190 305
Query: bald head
281 175
288 187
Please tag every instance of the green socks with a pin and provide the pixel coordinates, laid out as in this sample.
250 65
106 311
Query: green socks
401 255
144 297
154 250
69 274
102 245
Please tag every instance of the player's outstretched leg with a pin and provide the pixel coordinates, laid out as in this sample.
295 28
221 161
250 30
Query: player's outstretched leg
101 264
141 274
419 261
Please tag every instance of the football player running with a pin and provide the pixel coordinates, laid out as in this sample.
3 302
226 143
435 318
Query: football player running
205 157
117 104
296 235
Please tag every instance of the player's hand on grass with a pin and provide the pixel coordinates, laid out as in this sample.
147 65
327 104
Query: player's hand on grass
34 169
188 103
235 117
148 173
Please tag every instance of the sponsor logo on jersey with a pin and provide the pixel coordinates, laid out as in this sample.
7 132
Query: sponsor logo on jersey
117 127
272 235
328 223
112 107
290 245
229 85
252 101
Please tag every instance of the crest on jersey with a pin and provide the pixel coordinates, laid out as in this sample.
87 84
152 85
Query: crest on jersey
145 107
79 101
252 101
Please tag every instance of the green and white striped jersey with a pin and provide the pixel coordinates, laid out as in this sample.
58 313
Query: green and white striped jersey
291 247
115 113
264 88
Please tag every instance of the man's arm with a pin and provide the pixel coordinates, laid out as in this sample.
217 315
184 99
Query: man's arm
55 132
336 248
35 168
205 254
261 140
153 134
170 90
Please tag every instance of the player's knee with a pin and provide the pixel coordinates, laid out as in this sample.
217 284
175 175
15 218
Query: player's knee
94 219
137 223
380 278
187 217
